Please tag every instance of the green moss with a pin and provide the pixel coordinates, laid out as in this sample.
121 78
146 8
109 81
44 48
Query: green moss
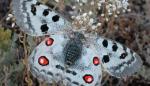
5 39
66 1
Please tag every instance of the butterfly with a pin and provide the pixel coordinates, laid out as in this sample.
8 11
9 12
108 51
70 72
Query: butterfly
74 57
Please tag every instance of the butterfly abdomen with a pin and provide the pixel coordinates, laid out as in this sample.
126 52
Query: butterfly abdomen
72 51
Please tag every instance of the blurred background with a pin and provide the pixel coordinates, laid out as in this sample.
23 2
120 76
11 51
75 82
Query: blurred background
129 26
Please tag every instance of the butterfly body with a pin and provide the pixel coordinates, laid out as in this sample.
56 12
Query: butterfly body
72 51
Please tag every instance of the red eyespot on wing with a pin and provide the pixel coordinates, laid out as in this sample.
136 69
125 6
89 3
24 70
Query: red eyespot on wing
96 61
49 41
43 61
88 78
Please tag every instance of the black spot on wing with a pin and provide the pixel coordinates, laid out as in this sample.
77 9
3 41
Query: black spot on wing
45 12
68 71
82 85
105 59
55 18
76 83
44 28
33 9
50 73
123 55
114 47
68 79
60 67
105 43
74 73
71 72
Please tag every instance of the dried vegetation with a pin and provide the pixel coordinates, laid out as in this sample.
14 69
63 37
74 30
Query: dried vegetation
129 28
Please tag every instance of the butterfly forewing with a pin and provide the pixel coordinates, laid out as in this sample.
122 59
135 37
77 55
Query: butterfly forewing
37 19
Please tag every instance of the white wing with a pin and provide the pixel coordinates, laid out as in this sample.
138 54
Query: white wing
63 57
44 59
37 19
117 59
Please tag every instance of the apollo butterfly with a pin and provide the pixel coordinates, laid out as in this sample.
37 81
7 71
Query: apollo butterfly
73 57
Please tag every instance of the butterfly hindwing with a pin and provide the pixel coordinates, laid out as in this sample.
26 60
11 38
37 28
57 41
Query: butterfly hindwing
53 59
44 59
37 19
118 60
